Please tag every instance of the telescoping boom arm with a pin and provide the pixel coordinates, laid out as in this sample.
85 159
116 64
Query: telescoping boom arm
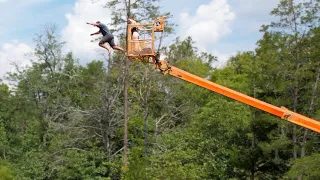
143 49
277 111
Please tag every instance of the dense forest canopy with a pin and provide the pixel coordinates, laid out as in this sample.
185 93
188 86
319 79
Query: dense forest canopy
63 120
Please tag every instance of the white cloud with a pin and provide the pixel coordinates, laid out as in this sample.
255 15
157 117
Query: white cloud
13 52
77 32
256 7
209 24
251 14
2 1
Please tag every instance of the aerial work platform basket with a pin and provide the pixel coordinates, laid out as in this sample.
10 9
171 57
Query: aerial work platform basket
143 49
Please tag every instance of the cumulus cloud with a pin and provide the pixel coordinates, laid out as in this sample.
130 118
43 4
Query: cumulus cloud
13 52
256 7
77 32
209 24
251 14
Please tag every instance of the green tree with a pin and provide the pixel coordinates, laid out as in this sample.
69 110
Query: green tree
5 125
305 168
6 172
295 22
142 11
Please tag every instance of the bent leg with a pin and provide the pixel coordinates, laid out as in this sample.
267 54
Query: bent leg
113 45
117 48
103 44
106 47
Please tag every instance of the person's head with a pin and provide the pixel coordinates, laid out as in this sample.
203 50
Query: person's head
98 22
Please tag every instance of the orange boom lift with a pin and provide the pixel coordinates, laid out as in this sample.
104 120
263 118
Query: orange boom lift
143 50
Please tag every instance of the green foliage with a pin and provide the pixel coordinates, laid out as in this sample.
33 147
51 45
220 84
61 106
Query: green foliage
306 168
181 50
64 120
4 119
33 165
175 165
78 164
6 172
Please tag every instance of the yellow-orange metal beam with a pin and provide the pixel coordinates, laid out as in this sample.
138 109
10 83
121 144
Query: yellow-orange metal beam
277 111
158 26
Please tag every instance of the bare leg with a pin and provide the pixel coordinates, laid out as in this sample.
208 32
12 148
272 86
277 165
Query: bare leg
106 47
118 48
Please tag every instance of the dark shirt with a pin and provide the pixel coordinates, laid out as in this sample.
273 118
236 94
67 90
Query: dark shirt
104 29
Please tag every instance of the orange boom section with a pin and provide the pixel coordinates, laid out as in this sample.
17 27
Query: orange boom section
143 50
277 111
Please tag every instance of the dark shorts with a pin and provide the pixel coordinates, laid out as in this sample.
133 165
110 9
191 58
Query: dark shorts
109 39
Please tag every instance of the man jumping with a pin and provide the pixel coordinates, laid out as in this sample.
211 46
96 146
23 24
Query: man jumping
107 37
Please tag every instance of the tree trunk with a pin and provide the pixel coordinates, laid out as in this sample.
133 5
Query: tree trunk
146 134
253 164
146 117
125 138
253 140
311 107
155 145
126 86
156 130
294 131
304 142
104 130
276 155
294 141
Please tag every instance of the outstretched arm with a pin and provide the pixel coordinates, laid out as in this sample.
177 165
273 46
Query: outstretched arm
98 32
93 24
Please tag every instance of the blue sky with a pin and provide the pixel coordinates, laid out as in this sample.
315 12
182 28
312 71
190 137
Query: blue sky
22 18
221 27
